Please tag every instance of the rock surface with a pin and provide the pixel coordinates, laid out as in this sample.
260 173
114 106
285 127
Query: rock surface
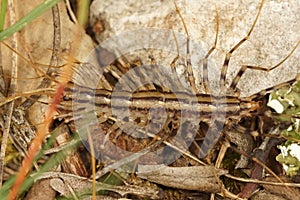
274 36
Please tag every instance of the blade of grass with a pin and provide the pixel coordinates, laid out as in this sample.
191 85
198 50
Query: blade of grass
2 14
53 161
36 144
36 12
83 12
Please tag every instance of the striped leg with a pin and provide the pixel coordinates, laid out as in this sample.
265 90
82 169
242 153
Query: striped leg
245 67
228 54
276 87
191 76
173 63
205 60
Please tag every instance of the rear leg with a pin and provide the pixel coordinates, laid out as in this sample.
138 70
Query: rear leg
273 88
228 54
245 67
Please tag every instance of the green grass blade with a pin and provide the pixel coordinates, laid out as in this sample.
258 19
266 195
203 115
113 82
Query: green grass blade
36 12
83 12
2 13
53 161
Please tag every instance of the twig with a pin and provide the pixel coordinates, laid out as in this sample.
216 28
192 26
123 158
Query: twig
17 134
21 137
43 130
29 93
251 180
13 85
54 58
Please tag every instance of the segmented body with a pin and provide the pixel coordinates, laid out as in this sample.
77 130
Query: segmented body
220 109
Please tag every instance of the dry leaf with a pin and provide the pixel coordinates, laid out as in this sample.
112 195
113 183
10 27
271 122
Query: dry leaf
201 178
64 183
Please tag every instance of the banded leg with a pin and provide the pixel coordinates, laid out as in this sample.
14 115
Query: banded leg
213 136
157 75
276 87
245 67
173 63
205 60
191 76
228 54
